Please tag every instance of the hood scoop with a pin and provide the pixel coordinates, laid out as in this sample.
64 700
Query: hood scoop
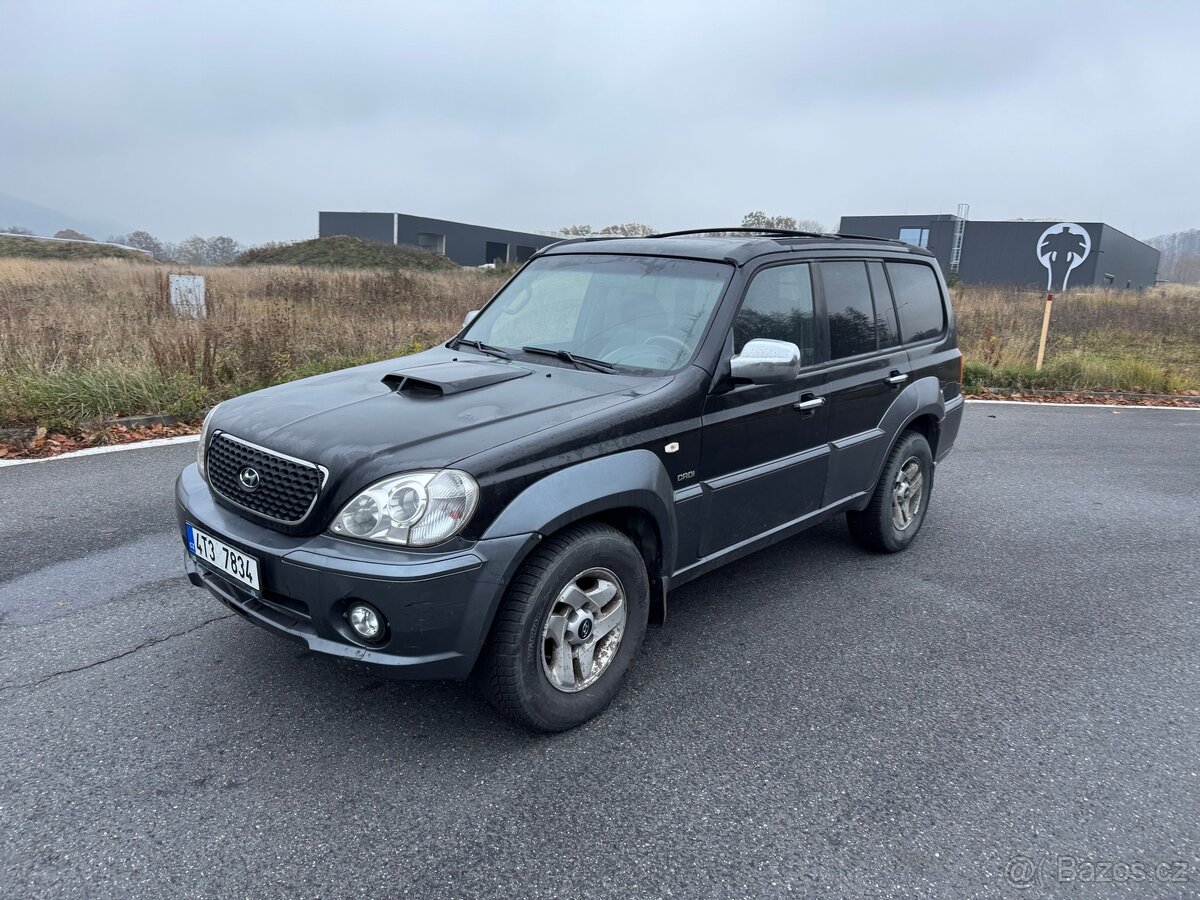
442 379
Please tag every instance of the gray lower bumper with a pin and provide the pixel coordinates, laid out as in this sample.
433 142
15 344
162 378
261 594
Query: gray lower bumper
439 607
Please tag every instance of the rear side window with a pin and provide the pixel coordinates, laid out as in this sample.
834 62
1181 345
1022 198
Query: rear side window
778 305
851 314
918 301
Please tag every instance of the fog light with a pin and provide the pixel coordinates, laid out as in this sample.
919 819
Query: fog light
366 622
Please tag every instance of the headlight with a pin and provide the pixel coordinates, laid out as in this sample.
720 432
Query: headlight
418 509
201 462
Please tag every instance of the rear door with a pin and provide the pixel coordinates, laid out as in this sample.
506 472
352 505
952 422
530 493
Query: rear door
867 370
764 454
925 323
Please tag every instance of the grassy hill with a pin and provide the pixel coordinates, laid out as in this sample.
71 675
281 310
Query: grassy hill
344 253
28 248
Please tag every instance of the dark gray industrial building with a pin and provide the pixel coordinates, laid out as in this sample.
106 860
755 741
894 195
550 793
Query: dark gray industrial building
1019 252
467 245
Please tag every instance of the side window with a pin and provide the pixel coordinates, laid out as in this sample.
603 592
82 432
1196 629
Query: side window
851 314
918 301
778 305
885 312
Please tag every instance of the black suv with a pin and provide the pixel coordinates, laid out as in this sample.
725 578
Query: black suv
625 415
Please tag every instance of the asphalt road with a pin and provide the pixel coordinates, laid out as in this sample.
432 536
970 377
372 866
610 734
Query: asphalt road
1024 682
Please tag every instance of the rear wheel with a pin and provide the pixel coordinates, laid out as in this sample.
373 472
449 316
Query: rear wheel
897 508
570 627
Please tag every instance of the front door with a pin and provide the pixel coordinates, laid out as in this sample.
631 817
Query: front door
764 453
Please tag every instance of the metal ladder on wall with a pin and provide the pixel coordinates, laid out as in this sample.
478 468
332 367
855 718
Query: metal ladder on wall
959 227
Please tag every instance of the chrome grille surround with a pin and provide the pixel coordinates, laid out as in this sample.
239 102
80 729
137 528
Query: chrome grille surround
287 489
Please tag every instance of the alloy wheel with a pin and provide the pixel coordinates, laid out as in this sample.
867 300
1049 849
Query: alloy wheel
583 630
907 493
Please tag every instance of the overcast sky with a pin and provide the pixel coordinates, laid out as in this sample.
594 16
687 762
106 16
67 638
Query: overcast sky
247 118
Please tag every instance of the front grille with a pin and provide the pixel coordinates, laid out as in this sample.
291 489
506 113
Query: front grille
286 490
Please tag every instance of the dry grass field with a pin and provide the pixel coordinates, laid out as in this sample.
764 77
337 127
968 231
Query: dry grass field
86 341
1100 340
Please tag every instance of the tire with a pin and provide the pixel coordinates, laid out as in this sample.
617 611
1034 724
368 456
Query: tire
876 527
539 637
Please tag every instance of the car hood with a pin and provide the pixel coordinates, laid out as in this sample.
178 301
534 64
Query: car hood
429 410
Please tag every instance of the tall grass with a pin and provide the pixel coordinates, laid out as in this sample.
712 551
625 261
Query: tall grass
1099 340
82 341
86 341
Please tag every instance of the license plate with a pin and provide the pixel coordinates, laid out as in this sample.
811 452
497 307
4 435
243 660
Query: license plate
221 556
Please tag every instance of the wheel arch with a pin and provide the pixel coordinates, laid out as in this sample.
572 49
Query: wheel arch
920 407
927 424
923 412
629 491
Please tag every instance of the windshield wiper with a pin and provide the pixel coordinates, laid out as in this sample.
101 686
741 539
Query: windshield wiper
481 347
568 356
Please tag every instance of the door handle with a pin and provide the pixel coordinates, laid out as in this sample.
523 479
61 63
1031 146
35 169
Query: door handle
811 403
896 378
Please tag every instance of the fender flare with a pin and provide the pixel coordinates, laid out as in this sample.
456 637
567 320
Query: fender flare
930 402
632 479
927 399
921 398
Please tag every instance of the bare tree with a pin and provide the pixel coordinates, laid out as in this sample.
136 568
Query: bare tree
192 251
759 219
143 240
197 251
16 229
1180 260
222 250
72 234
630 229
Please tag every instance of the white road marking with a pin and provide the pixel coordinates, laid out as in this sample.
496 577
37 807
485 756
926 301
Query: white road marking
111 448
1115 407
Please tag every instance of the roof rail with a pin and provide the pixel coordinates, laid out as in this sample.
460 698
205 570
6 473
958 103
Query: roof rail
582 238
867 237
740 230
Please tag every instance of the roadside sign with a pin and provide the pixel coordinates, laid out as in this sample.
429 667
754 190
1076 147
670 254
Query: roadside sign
187 295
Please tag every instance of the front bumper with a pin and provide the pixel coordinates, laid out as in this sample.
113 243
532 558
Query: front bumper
439 606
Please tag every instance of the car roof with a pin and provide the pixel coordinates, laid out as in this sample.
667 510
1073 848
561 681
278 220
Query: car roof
728 246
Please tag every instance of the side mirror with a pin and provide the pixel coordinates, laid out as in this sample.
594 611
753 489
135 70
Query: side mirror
764 361
470 317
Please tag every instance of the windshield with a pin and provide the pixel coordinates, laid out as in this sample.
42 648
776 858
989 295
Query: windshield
635 312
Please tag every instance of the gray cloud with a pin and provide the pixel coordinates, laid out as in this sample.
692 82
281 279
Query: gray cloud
247 118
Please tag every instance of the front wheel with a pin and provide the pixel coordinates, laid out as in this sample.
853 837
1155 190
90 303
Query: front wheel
897 508
570 627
